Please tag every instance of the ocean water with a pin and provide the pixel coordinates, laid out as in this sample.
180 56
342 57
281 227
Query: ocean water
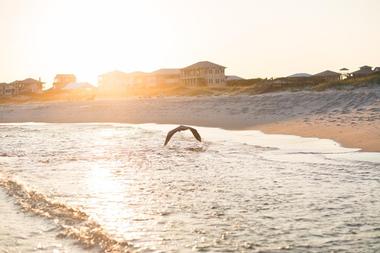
116 188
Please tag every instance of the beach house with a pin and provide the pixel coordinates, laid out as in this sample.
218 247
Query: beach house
27 86
3 89
137 78
23 87
363 71
115 81
164 77
200 73
61 80
329 75
203 73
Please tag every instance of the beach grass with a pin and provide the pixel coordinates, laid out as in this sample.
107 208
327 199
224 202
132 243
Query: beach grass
239 87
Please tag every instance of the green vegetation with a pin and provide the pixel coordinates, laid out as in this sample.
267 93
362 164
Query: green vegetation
238 87
245 87
258 86
255 86
350 83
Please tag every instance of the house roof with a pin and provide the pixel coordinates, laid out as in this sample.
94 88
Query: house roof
64 75
115 72
31 80
203 64
136 73
27 81
327 73
167 72
233 78
300 75
363 71
365 66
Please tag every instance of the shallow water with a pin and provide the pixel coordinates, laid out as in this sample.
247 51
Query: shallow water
114 187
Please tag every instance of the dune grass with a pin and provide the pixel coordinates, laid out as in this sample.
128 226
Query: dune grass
256 86
238 87
350 83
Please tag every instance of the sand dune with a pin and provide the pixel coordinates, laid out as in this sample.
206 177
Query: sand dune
351 117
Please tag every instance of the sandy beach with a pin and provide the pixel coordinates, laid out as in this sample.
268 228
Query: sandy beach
351 117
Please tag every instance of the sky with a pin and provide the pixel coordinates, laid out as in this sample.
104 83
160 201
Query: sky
252 38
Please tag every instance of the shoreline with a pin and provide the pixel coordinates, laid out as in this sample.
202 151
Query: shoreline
351 118
344 135
271 129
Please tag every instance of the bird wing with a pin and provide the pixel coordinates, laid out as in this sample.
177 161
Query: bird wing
170 134
182 128
196 134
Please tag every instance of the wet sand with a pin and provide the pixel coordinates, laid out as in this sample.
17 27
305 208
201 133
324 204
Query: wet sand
358 135
350 117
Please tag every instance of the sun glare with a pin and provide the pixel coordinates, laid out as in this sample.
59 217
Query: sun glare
102 39
88 38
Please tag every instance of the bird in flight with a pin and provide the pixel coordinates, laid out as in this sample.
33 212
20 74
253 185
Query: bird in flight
182 128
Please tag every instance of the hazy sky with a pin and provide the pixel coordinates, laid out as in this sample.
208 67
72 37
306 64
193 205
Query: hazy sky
252 38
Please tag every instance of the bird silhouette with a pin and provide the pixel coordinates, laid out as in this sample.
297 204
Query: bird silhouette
179 129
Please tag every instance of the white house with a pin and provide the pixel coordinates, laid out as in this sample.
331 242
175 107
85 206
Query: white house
203 73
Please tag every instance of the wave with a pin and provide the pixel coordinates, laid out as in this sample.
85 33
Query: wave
71 222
